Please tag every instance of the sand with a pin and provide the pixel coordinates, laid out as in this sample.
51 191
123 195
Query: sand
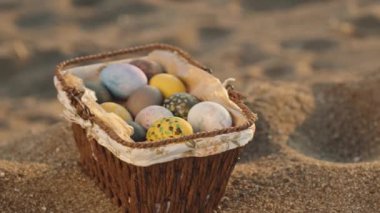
310 69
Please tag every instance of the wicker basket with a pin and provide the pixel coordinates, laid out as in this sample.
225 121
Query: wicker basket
190 184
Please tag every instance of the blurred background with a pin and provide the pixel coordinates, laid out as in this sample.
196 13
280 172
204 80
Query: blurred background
303 42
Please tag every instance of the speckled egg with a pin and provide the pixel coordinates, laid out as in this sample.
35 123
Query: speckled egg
150 68
117 109
147 116
209 116
122 79
143 97
168 84
180 104
100 90
166 128
138 131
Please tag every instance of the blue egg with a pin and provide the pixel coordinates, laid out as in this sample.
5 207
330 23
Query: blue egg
100 90
138 131
122 79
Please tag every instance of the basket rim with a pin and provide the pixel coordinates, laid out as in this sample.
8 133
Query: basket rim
75 95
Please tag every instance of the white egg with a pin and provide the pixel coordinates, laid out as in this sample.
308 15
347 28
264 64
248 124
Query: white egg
208 116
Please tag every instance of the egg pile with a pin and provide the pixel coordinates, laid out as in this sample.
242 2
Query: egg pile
155 103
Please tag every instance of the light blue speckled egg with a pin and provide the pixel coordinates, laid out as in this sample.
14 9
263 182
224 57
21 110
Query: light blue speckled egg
122 79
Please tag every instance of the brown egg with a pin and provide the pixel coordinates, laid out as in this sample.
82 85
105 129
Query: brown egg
143 97
149 67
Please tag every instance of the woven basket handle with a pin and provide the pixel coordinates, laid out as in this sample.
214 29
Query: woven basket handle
110 55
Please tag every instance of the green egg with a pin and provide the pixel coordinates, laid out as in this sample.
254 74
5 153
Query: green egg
101 91
180 104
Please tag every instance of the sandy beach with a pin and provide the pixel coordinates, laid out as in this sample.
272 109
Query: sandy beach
309 69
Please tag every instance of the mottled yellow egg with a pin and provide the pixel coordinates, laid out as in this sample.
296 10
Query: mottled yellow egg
165 128
117 109
167 84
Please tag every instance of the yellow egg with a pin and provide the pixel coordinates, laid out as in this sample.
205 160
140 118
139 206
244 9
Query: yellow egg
168 84
117 109
171 127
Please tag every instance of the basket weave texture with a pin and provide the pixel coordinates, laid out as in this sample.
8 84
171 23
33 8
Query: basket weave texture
183 185
191 184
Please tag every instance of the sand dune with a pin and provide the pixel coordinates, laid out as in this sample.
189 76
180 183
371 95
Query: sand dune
310 69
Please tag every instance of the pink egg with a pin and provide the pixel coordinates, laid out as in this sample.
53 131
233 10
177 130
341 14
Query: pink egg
147 116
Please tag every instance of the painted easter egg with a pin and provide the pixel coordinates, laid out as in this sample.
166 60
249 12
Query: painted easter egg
168 84
117 109
150 68
100 90
147 116
143 97
139 132
209 116
165 128
180 104
122 79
